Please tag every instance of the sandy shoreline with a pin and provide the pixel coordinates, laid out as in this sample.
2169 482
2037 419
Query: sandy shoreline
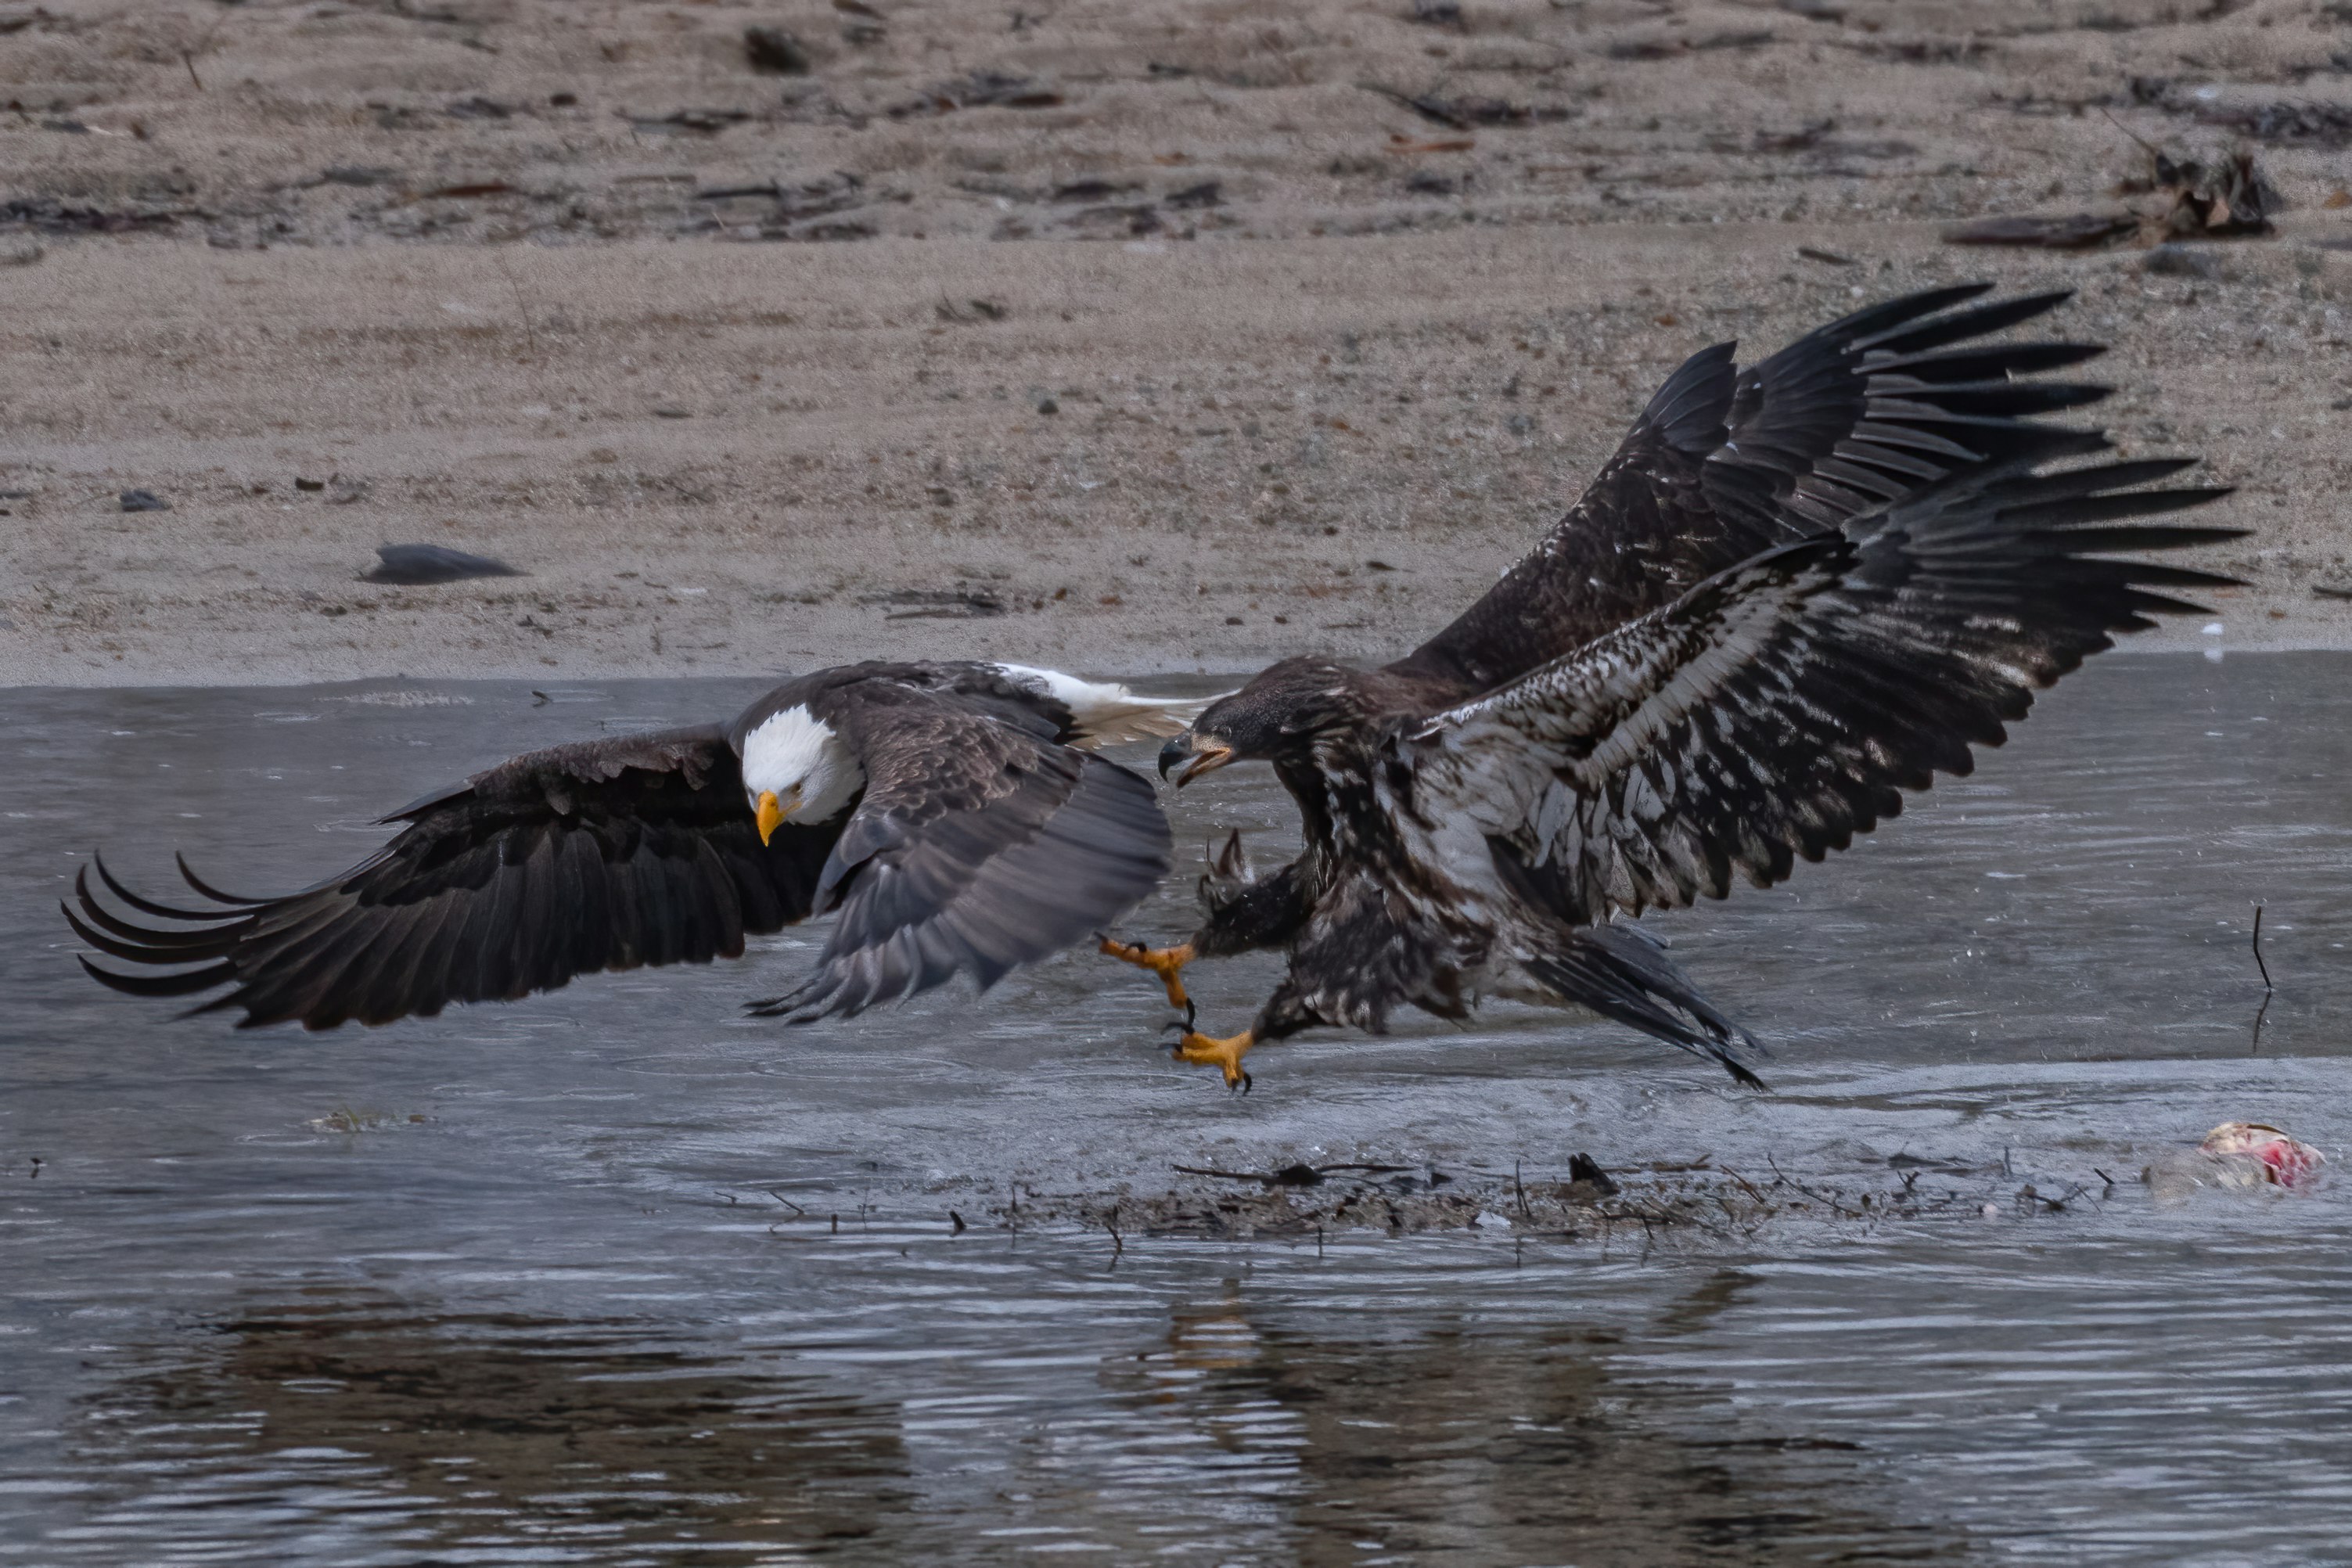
1322 421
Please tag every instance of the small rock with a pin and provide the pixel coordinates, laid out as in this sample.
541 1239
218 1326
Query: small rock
410 565
775 50
144 500
302 484
672 411
1047 405
2176 261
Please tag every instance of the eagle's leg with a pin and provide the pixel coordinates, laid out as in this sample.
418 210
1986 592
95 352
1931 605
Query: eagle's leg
1225 1055
1164 962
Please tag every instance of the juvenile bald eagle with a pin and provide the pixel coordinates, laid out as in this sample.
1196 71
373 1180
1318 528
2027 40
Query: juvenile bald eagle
947 811
1794 591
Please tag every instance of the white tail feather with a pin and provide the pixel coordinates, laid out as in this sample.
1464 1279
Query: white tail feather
1105 714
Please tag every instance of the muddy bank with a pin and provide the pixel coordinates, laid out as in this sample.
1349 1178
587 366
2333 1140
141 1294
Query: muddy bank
1272 330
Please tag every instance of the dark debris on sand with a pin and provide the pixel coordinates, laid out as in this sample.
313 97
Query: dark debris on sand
1696 1201
416 565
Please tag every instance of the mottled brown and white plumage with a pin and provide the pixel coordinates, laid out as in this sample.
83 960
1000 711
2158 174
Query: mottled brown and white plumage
949 813
1794 592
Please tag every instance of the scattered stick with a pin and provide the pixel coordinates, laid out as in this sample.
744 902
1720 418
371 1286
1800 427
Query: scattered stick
2255 1047
529 334
1835 1207
1746 1185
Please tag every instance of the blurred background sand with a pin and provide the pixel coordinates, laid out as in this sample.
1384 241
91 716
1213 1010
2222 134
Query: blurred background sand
1125 336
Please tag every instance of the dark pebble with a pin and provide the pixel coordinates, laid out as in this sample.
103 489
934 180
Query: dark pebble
144 500
2181 261
410 565
774 49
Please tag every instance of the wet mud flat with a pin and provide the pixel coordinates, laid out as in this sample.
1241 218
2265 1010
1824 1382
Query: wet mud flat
618 1276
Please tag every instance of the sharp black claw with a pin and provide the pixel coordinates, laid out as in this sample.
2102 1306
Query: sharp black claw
1191 1014
1179 1024
1247 1083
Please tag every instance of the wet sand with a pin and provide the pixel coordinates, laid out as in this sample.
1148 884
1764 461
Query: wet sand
1219 356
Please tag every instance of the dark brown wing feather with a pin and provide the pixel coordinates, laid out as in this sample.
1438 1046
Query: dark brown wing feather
1724 464
978 846
603 855
1778 710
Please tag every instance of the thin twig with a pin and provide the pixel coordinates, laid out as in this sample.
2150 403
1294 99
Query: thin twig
529 334
1747 1185
2258 949
1835 1207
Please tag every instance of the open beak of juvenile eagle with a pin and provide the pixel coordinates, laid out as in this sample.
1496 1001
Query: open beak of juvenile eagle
1197 752
772 813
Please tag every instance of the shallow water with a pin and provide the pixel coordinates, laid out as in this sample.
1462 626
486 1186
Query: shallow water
615 1276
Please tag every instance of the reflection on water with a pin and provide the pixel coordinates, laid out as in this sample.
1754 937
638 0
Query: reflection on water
618 1276
1456 1443
494 1430
346 1421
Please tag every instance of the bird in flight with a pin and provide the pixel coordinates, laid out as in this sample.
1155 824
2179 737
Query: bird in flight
1794 591
953 814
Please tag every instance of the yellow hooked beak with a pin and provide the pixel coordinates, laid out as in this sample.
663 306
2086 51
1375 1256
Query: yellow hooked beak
772 813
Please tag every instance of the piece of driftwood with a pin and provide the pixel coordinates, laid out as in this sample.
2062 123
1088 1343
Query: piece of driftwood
2067 231
416 565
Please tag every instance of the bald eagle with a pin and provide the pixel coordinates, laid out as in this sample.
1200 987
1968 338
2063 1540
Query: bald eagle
1794 591
951 812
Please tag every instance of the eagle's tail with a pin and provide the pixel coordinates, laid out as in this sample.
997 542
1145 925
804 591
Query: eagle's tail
1621 972
1104 713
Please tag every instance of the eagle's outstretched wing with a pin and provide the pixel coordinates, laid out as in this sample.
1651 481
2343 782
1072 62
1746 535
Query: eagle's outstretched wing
1776 710
979 845
1724 463
596 855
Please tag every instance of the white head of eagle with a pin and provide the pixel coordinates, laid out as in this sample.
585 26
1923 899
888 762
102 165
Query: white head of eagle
797 768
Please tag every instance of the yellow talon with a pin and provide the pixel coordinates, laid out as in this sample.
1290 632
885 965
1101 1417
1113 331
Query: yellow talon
1225 1055
1164 962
